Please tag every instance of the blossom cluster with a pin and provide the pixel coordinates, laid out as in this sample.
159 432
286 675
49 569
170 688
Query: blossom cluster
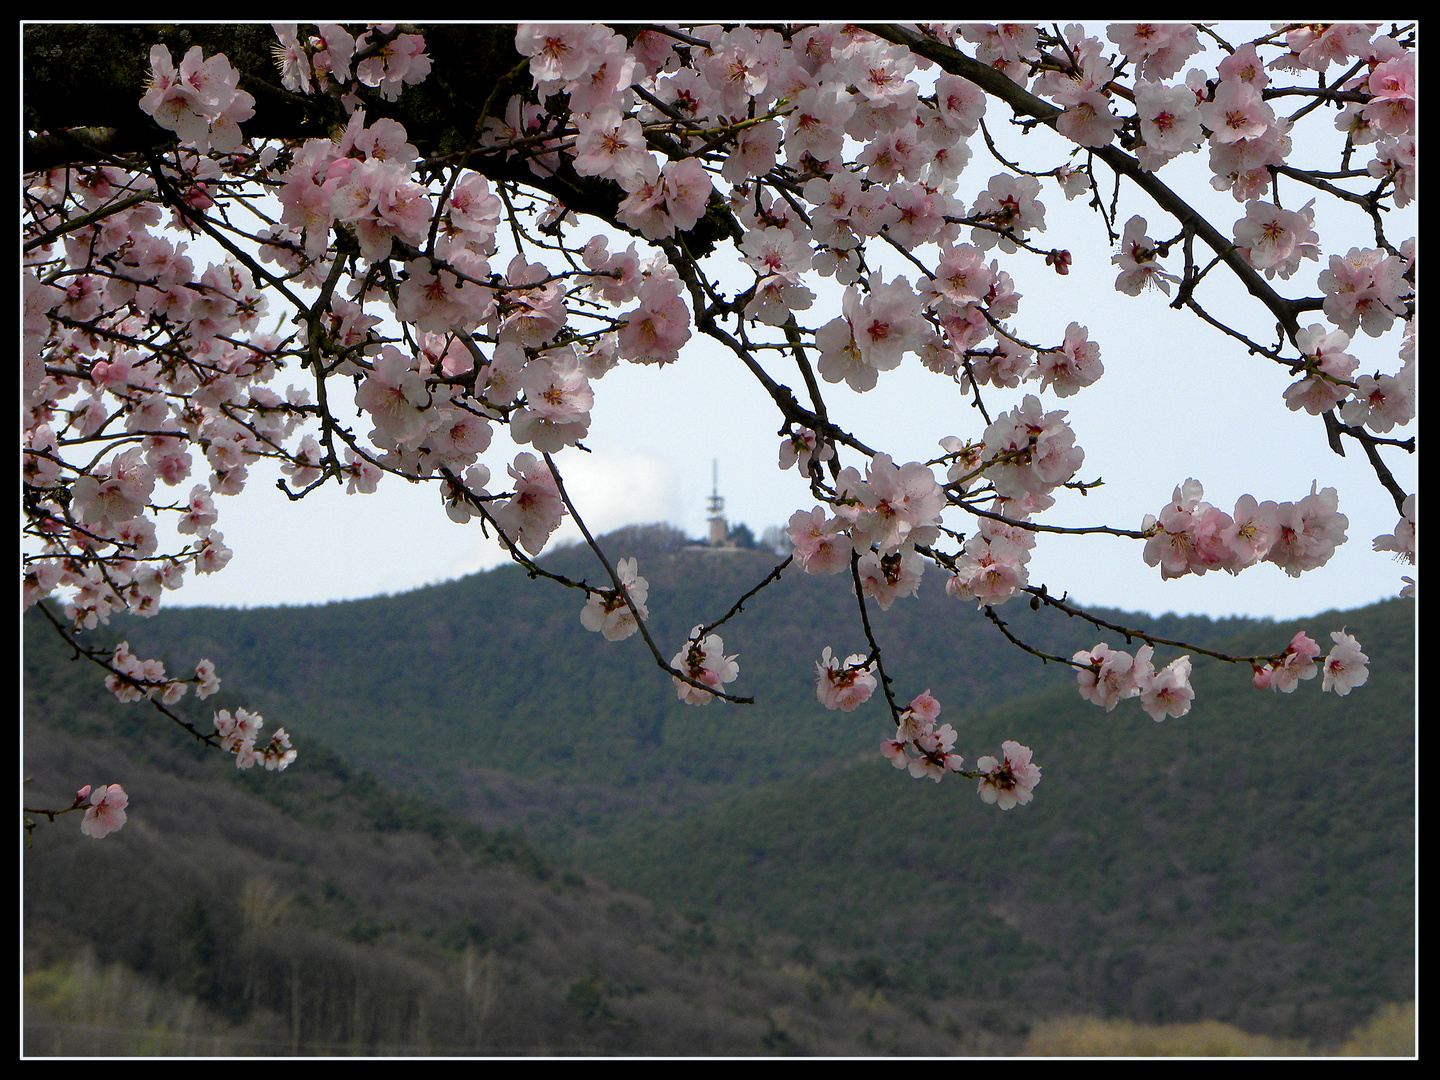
413 284
702 661
844 685
926 750
1008 781
133 678
240 735
200 101
919 745
1108 676
1344 667
608 613
1190 536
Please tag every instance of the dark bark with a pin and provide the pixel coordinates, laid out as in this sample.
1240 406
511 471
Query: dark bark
82 86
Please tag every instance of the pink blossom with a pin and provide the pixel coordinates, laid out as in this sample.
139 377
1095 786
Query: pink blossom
934 757
475 211
1088 120
611 145
1328 370
1009 782
704 662
1308 532
1345 665
815 128
1074 365
1166 692
1158 50
117 491
211 554
654 331
893 505
1245 65
1251 530
208 682
401 61
960 102
460 498
1275 240
800 449
887 578
990 570
845 686
1029 452
1317 46
1365 289
1296 663
396 397
557 405
1402 539
561 52
920 746
820 542
460 437
1393 93
687 192
106 812
1236 112
961 276
1137 261
606 611
1107 677
1009 203
536 508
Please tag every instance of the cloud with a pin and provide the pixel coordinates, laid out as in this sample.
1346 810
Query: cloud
610 490
620 489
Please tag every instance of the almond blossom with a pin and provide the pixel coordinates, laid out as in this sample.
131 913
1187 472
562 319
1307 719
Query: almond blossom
821 543
1275 240
534 512
1296 663
608 614
106 813
705 662
844 685
1137 261
1344 665
828 149
1010 781
1074 365
919 746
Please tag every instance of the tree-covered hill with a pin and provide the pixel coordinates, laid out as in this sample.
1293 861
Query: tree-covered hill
489 689
314 911
1251 862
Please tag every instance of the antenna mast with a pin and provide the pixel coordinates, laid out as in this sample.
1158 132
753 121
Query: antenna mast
718 527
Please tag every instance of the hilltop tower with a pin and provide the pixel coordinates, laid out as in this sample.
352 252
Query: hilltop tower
719 528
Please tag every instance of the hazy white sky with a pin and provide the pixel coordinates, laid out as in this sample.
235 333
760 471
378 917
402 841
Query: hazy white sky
1178 399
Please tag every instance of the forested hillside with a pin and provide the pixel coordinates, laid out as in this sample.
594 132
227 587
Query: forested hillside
488 689
601 869
316 912
1251 862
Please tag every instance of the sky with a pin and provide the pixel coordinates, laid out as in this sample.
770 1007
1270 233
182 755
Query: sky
1178 400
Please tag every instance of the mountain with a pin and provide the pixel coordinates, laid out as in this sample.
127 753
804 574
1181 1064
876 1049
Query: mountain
314 911
1251 862
489 692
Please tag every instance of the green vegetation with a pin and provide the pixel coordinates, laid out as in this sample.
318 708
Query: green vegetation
504 836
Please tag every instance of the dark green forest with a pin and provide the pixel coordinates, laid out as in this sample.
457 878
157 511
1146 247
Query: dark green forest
504 835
